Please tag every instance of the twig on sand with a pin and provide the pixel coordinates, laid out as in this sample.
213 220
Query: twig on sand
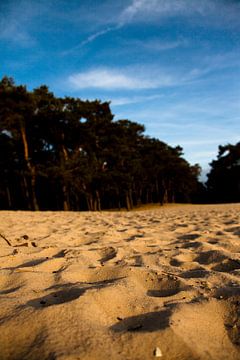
171 274
4 238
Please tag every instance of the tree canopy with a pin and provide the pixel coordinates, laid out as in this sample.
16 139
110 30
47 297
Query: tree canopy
224 178
69 154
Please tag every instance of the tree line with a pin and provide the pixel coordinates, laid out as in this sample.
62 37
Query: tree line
223 184
69 154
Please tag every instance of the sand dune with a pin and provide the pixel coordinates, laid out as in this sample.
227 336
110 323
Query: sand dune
159 283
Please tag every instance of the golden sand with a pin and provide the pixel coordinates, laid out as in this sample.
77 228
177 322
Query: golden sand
157 283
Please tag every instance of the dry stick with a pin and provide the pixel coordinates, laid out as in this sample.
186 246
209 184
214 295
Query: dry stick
170 273
7 241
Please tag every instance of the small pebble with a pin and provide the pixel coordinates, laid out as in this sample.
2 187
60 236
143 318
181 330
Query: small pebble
157 352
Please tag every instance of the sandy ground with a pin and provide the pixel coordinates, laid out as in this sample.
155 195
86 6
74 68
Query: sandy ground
161 283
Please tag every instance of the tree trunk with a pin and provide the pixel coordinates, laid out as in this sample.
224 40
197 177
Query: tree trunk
9 199
33 188
98 200
165 196
90 204
31 170
128 203
157 190
64 159
130 198
26 194
65 198
139 197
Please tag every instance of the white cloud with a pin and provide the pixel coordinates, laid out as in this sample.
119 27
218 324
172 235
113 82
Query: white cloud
110 79
148 10
134 8
149 77
142 9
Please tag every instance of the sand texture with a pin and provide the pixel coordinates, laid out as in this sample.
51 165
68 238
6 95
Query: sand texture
160 283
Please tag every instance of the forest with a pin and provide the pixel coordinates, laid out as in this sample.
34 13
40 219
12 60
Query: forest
69 154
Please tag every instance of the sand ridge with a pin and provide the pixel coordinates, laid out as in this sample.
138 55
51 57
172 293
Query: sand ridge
121 284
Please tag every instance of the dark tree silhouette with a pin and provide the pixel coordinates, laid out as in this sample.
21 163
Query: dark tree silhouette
16 119
224 178
69 154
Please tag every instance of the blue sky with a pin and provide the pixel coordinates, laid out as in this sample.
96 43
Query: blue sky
172 65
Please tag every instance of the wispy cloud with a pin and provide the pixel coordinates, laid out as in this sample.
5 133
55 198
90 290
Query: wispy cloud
134 99
91 38
16 21
140 8
12 31
128 14
149 77
99 33
110 79
150 10
156 44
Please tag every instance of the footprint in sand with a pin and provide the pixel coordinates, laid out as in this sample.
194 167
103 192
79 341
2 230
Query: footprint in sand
192 244
163 287
136 260
9 291
209 257
147 322
68 292
134 237
227 292
189 237
32 263
194 273
107 254
227 265
235 230
159 285
232 324
175 262
219 233
73 253
213 241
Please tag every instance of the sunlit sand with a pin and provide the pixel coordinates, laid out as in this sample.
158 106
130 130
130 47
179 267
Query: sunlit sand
161 282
